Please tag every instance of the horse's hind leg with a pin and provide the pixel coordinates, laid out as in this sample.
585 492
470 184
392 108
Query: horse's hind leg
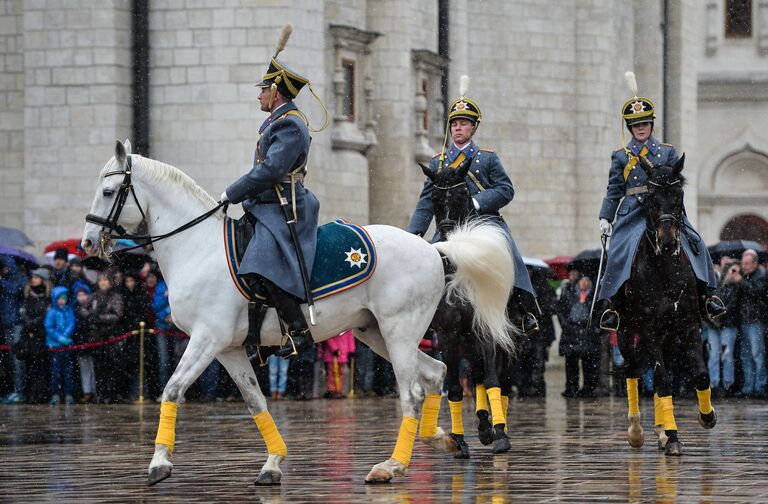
196 358
239 368
403 352
635 435
693 347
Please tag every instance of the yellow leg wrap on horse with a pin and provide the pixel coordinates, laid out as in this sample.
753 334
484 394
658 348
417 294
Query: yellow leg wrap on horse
494 397
457 422
429 413
633 396
705 401
166 431
658 412
505 409
669 413
481 398
272 438
405 439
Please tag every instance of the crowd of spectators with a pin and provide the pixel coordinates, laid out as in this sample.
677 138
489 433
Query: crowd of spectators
67 336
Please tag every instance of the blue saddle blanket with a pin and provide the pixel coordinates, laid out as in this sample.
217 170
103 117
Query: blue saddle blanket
345 257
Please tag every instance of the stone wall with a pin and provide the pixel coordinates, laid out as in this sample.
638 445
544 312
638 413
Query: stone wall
11 113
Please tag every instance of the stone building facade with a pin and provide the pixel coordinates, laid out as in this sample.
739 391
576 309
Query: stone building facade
548 75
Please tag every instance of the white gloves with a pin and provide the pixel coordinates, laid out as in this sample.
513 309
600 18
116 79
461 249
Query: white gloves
605 227
223 197
476 204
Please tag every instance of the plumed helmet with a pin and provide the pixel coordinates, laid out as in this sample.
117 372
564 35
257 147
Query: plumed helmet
463 107
637 109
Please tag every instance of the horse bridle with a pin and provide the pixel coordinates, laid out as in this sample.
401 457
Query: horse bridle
663 218
110 223
447 222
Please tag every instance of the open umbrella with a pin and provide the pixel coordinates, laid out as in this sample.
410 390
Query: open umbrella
558 266
535 263
586 262
72 245
734 249
12 237
20 256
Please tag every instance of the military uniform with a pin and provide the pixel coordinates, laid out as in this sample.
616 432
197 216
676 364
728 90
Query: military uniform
489 185
627 181
629 222
271 262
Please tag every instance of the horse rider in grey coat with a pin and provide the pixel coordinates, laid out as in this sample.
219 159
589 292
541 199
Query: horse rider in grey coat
271 262
491 190
623 219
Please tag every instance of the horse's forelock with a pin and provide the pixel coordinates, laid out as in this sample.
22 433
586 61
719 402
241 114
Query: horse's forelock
666 174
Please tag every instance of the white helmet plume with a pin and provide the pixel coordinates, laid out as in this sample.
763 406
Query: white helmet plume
631 82
463 85
284 36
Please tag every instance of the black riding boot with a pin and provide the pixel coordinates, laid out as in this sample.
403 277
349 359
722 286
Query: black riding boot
711 307
521 308
298 337
610 320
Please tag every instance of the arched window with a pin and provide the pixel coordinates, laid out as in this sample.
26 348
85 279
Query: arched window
746 227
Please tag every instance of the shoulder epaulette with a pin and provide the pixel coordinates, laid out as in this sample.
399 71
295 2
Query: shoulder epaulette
483 149
436 155
619 149
667 144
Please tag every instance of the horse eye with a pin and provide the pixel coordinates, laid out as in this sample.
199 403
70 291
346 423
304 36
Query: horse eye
108 193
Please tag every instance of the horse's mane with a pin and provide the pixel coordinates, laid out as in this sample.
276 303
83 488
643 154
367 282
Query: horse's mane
665 172
154 171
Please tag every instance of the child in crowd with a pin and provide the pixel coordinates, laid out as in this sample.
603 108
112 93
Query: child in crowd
335 353
84 335
59 328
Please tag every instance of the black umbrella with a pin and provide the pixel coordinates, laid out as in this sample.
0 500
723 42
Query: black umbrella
12 237
734 249
586 262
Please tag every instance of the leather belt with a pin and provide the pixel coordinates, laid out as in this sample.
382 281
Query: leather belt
636 190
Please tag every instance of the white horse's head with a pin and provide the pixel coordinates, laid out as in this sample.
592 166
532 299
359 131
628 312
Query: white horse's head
114 205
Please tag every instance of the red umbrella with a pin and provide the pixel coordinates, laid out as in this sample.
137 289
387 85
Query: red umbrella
558 266
72 246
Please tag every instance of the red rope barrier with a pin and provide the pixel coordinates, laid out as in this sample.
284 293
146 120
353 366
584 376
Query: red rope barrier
115 339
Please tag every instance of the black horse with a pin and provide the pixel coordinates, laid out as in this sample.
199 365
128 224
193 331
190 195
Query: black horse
452 205
662 313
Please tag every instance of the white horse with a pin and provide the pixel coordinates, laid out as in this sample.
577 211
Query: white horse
390 312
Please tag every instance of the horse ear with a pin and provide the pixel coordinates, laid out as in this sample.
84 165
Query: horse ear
120 153
128 147
429 173
678 166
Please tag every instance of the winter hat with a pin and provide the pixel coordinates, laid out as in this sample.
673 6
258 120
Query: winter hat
43 273
61 253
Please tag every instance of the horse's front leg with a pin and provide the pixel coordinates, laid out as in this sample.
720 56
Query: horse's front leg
635 435
666 409
452 357
239 368
493 389
197 356
693 346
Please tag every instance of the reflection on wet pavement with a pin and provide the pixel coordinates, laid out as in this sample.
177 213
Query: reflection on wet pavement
562 451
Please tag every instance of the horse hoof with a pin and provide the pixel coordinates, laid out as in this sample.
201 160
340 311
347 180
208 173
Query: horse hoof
461 446
500 440
158 474
441 442
662 437
674 449
377 476
635 435
708 421
268 478
484 428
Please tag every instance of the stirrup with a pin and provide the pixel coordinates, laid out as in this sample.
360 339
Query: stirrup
285 339
527 317
714 316
603 324
262 360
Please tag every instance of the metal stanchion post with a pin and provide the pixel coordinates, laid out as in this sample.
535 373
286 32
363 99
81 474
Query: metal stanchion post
351 377
141 362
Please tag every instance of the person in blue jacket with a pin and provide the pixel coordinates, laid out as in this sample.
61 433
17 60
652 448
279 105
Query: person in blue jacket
271 262
12 282
491 190
623 219
59 328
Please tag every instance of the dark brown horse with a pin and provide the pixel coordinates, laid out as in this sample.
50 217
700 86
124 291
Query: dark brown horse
662 313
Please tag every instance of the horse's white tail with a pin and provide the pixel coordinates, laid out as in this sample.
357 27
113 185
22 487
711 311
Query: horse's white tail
485 274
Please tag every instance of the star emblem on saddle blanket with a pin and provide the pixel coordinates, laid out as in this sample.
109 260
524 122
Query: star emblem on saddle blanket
355 257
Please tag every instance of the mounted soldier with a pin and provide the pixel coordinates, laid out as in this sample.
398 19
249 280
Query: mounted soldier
280 255
491 190
622 216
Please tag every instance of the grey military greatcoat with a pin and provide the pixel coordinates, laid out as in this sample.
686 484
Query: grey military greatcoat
629 223
282 148
496 193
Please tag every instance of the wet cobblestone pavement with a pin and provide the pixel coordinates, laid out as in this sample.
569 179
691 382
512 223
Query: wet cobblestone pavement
562 451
